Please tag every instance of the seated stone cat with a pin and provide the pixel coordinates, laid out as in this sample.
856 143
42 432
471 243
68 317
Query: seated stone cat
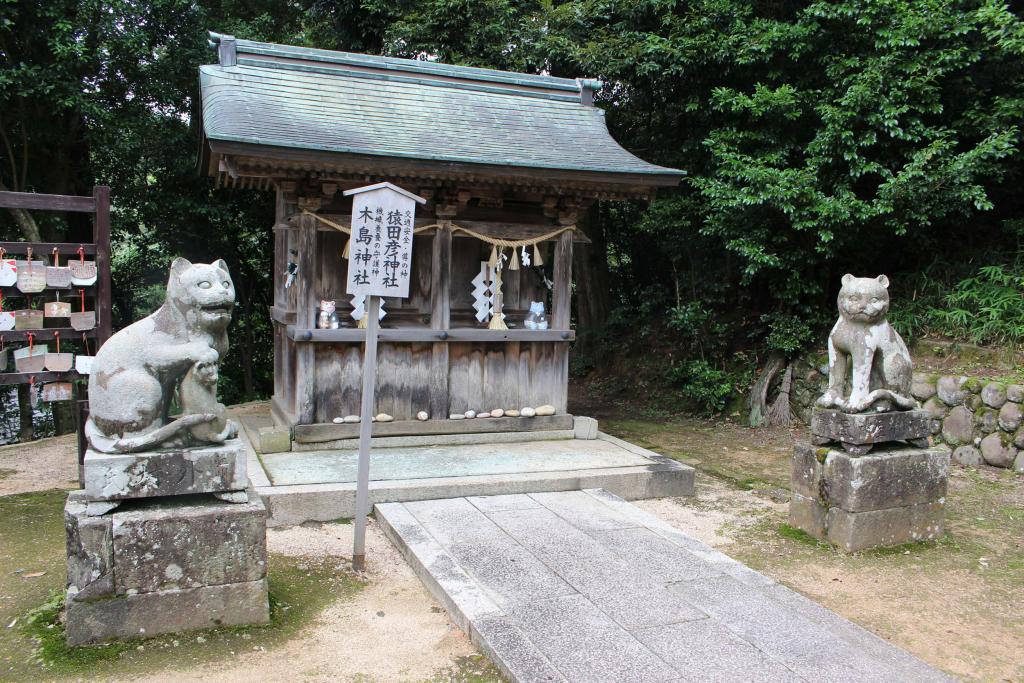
136 372
863 338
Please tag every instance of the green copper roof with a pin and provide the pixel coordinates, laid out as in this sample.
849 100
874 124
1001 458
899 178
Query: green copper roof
301 98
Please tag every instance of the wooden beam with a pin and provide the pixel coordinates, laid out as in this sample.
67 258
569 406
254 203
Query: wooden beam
356 335
501 229
68 335
47 202
313 433
46 248
41 377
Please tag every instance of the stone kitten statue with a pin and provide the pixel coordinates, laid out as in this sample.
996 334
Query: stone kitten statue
135 374
881 366
197 395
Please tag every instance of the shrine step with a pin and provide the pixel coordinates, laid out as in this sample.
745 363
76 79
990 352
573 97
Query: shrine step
320 485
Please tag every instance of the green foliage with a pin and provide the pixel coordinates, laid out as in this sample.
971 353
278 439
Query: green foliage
987 308
709 388
819 138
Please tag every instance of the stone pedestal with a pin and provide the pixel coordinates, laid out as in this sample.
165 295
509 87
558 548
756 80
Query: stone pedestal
859 432
169 472
163 565
888 497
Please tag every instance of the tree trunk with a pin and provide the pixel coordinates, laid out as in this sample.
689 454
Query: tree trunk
759 391
593 294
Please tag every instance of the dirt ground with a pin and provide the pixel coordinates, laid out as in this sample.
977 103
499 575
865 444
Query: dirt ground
958 603
391 631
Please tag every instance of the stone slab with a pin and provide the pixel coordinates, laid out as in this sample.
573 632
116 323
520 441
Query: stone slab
879 480
165 544
439 439
853 531
172 611
626 617
606 462
870 428
168 472
188 542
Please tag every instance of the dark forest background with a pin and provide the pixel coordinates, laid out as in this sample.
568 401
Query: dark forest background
865 136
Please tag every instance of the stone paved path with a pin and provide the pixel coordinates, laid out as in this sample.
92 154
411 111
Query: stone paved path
582 586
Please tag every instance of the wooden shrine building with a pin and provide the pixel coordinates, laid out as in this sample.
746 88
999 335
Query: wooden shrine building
502 159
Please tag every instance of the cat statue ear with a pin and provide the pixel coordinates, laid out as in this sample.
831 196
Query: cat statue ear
883 280
220 263
180 264
847 279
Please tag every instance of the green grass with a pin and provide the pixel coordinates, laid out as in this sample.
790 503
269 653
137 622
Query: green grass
793 534
32 541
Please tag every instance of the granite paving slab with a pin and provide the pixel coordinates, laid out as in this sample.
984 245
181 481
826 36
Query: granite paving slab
582 586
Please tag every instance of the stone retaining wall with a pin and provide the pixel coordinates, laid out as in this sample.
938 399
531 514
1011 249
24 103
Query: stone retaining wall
981 420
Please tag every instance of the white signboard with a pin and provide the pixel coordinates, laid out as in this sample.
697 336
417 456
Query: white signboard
380 246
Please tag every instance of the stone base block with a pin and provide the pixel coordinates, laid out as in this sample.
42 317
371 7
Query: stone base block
196 560
276 439
172 611
893 477
886 498
170 472
853 531
869 429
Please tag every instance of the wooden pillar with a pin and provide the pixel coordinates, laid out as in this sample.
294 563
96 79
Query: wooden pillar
283 404
561 315
561 296
101 231
305 318
440 319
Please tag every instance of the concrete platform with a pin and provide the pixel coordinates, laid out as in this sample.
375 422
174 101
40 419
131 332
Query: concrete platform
320 485
582 586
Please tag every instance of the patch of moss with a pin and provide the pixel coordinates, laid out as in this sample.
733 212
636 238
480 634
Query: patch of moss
799 535
973 385
472 669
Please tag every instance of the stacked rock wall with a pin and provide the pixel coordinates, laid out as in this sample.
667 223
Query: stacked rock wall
980 420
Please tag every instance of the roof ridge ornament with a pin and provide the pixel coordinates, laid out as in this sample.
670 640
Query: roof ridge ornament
587 88
226 46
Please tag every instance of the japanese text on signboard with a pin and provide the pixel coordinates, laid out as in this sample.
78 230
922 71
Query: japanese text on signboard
380 254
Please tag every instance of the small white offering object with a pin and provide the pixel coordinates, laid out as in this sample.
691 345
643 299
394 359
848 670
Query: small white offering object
512 413
338 420
422 416
383 417
350 419
527 412
456 416
497 412
545 410
483 413
470 414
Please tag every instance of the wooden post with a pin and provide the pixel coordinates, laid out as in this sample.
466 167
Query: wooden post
305 319
101 235
440 319
365 431
561 296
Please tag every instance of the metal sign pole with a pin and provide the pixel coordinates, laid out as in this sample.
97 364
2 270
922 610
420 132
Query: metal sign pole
371 309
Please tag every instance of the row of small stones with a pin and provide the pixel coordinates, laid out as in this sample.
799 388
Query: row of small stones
423 416
966 404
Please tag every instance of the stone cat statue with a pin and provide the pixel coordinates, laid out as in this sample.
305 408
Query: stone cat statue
136 372
881 366
197 395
